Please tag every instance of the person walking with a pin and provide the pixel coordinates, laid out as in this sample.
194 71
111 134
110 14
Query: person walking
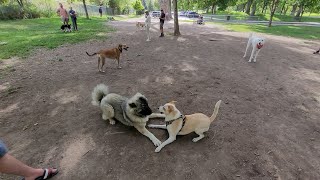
63 14
148 25
73 16
162 18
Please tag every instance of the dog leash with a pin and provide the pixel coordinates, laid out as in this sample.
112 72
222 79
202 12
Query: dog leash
183 121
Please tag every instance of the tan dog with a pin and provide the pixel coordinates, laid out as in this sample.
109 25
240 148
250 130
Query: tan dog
113 53
178 124
140 25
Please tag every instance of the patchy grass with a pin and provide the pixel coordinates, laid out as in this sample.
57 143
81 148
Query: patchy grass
290 31
265 17
20 37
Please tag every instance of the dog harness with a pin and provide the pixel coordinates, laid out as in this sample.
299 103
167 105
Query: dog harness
183 121
259 46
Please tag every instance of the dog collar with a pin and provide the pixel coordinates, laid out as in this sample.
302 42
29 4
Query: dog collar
259 46
183 121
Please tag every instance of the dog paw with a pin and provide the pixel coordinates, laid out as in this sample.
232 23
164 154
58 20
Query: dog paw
158 149
195 140
112 122
156 142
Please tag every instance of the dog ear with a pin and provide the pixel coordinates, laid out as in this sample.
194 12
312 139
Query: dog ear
170 108
173 102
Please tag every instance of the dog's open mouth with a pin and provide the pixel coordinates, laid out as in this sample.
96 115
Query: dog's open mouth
126 48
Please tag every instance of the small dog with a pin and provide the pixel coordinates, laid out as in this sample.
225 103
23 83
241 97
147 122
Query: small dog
140 25
133 111
113 53
257 43
66 27
317 52
178 124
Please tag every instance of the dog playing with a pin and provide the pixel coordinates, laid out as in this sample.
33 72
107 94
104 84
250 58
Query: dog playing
113 53
140 25
133 111
178 124
66 27
257 43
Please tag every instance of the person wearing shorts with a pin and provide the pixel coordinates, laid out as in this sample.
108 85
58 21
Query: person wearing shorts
148 25
63 14
162 18
10 165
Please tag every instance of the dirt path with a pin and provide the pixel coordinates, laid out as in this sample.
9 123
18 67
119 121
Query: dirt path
267 128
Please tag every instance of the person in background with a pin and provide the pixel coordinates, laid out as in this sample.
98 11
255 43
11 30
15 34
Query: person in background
148 25
162 18
73 16
63 14
10 165
100 11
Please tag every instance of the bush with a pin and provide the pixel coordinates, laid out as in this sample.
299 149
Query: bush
8 12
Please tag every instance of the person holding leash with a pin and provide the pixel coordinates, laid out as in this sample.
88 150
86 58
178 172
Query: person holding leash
148 25
73 16
162 18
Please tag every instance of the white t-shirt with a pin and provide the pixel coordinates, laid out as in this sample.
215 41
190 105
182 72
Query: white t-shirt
148 21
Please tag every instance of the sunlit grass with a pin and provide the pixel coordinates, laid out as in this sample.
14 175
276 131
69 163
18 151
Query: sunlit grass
290 31
22 36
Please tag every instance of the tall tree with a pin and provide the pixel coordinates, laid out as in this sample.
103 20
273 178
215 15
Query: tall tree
273 8
85 8
253 9
20 2
249 3
176 21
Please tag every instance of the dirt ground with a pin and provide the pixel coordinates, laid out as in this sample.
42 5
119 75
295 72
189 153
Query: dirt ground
268 126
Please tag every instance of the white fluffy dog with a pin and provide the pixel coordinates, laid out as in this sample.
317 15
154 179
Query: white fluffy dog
257 43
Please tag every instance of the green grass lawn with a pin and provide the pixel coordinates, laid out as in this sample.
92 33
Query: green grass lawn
265 17
290 31
20 37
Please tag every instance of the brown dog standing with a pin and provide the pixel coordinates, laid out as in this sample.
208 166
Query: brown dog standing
113 53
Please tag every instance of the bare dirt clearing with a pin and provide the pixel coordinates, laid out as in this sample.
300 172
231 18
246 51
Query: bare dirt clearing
268 126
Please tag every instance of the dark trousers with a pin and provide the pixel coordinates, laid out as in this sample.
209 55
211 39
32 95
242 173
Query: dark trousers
74 23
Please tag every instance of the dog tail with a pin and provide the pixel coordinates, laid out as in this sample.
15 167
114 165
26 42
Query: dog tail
98 93
215 111
91 54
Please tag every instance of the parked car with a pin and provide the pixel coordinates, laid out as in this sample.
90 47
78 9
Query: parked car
192 14
155 13
182 13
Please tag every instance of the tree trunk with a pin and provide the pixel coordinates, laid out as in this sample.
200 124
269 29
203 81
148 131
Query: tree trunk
299 11
170 14
286 10
176 21
294 8
273 9
283 6
249 3
254 7
20 2
85 8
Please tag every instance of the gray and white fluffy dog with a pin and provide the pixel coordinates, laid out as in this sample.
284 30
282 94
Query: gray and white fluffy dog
133 111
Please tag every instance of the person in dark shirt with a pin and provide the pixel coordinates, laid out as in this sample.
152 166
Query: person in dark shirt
100 11
162 18
73 16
